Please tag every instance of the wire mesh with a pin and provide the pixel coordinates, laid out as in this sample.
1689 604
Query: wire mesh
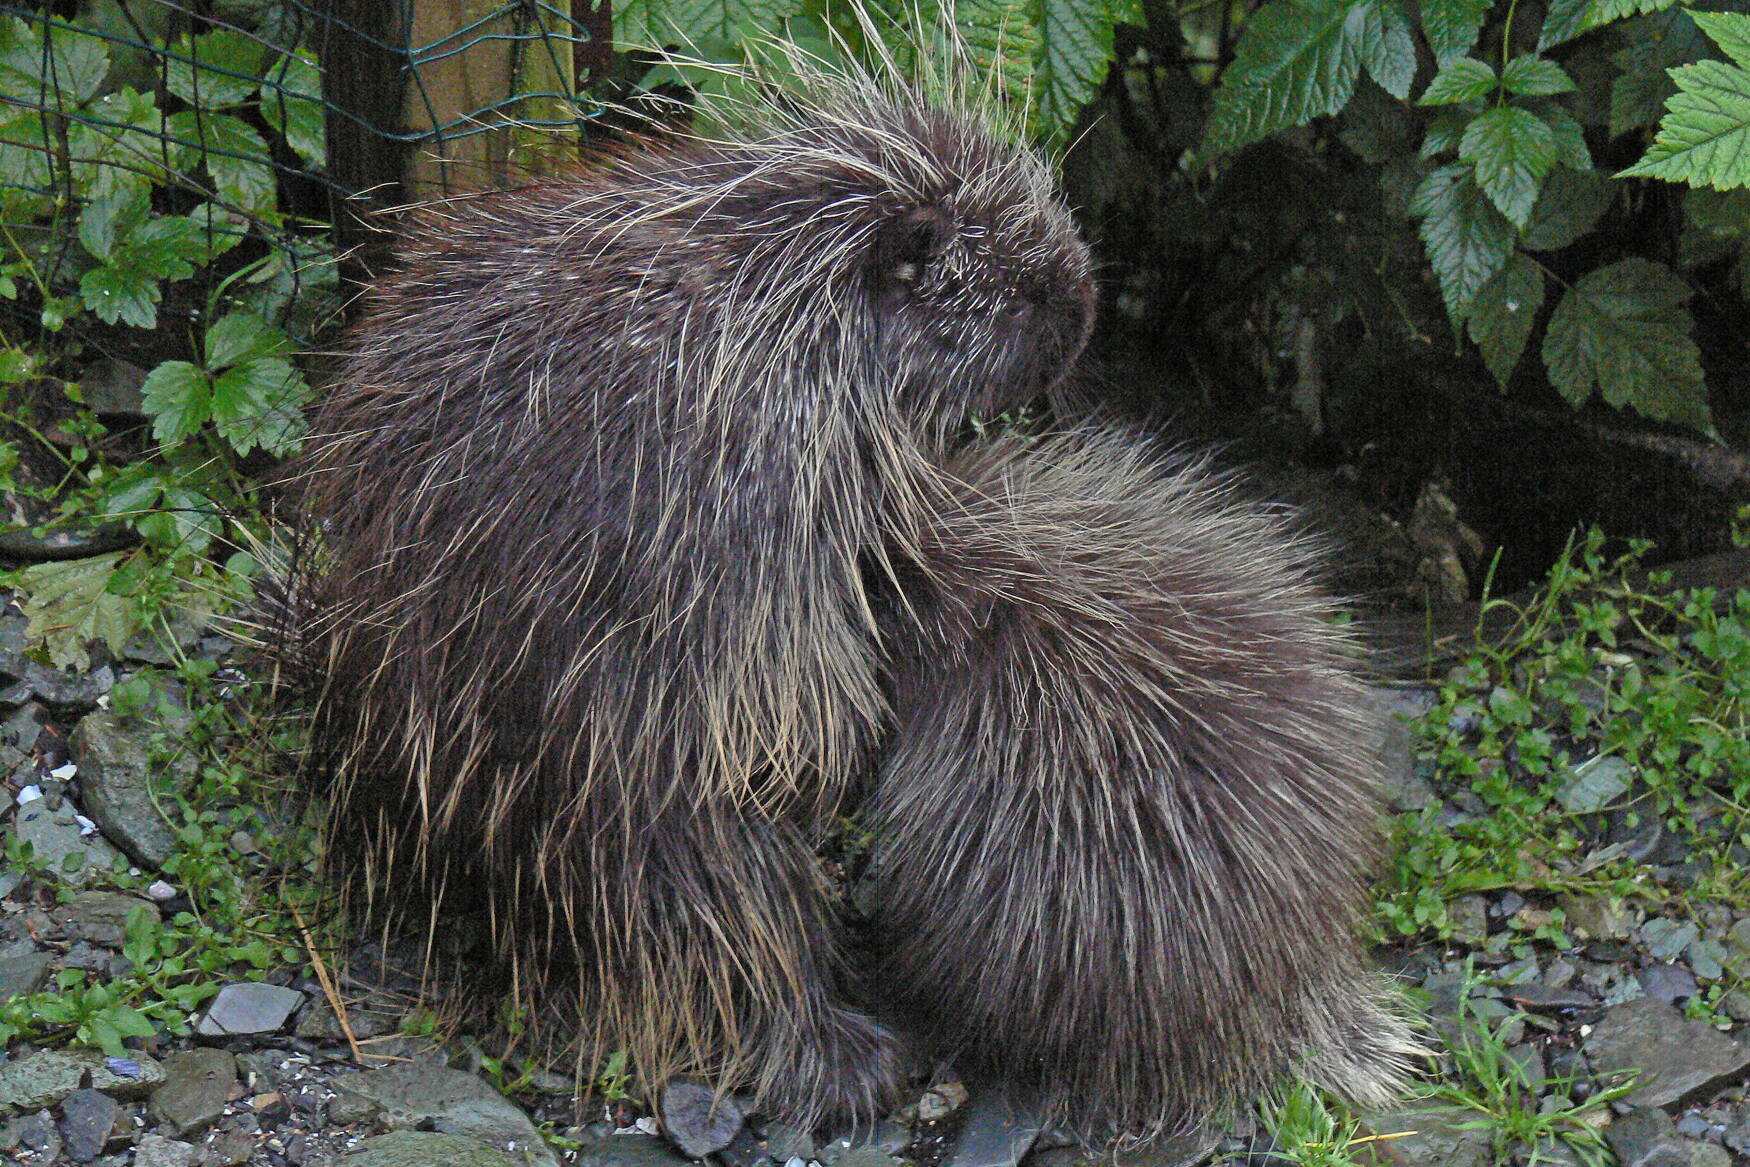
158 157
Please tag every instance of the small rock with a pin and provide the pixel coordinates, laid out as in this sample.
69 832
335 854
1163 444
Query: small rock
698 1119
23 974
155 1150
67 692
197 1085
1667 982
227 1149
1644 1137
446 1100
1425 1138
1707 1155
58 842
101 917
249 1007
36 1132
120 788
87 1121
43 1078
629 1151
785 1142
424 1149
998 1132
1468 916
1598 917
1677 1057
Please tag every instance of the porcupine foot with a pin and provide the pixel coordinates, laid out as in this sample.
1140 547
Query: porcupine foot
849 1067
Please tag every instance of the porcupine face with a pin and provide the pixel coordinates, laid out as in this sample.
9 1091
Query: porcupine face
982 301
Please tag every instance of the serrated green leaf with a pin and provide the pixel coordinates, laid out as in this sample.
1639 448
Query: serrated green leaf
238 336
68 604
166 248
185 519
691 24
121 295
1296 60
178 396
1570 139
214 69
260 403
1655 45
1452 26
1446 128
1569 205
117 214
1512 149
50 66
1501 315
1622 331
1704 139
1730 31
238 160
1564 20
291 102
1388 48
115 144
1467 239
1466 79
1534 76
1605 11
1074 52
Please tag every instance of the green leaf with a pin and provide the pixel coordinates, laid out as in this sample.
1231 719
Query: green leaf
1730 31
1654 46
238 336
1605 11
1467 239
1570 139
1446 128
1533 76
121 295
1296 60
1388 48
291 102
238 160
186 520
214 69
1074 52
1466 79
115 214
67 604
1570 204
115 146
260 403
1502 314
1704 139
1512 149
1452 26
178 396
1563 21
50 66
1621 331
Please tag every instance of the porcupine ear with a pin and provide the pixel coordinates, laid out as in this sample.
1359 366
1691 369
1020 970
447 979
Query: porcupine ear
906 247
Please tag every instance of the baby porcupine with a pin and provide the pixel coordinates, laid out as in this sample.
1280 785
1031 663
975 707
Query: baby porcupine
650 543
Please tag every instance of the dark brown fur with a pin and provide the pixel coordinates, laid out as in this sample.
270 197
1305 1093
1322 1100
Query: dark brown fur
648 548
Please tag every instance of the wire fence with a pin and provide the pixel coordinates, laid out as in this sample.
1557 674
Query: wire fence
160 157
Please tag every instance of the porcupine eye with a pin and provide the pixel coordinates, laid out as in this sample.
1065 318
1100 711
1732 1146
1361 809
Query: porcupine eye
907 248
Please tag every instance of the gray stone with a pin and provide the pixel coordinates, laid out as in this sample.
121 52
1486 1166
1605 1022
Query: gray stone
120 788
66 691
450 1101
630 1151
1707 1154
1173 1151
44 1077
197 1085
1598 917
1468 916
784 1142
228 1148
1404 787
998 1132
1677 1057
249 1007
1644 1137
21 975
57 845
424 1149
100 917
36 1132
698 1119
155 1150
87 1122
1667 982
1425 1138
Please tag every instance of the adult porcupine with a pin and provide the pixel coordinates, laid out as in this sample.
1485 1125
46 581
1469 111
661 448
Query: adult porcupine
650 545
